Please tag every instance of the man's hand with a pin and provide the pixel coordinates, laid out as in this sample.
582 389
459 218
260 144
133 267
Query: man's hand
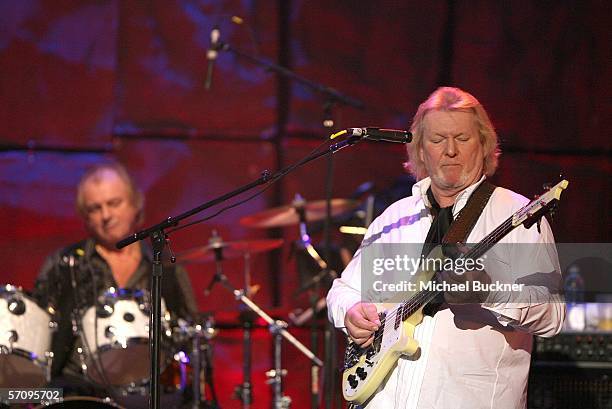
361 321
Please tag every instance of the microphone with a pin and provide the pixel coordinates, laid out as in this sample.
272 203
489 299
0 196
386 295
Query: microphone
378 134
211 55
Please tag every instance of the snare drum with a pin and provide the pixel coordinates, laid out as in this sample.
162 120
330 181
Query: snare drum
25 340
117 335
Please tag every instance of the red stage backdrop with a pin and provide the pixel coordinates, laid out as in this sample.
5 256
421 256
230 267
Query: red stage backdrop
86 81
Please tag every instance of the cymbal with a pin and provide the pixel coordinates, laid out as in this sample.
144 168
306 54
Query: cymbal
288 215
231 249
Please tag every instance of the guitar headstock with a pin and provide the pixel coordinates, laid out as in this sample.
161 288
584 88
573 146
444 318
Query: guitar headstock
538 207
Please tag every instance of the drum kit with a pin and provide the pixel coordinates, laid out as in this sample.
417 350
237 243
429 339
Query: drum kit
113 348
113 345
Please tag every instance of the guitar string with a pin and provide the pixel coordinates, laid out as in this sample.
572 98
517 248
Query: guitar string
409 306
405 309
490 239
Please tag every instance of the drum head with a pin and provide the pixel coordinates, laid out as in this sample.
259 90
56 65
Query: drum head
81 402
123 366
18 370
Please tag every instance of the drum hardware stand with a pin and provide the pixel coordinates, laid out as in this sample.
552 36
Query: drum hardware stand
277 328
244 391
275 376
195 382
306 244
202 375
49 359
208 372
298 316
247 317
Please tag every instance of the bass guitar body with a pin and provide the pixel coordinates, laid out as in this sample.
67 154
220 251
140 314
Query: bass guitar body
365 369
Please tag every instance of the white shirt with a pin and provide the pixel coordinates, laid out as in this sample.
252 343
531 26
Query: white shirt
470 357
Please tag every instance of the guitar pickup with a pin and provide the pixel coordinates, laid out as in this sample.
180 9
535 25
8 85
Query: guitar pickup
399 317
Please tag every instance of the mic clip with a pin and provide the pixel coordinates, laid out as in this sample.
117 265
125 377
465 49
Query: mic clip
379 134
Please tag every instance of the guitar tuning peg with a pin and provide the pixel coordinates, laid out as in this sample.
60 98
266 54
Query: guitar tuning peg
551 213
553 210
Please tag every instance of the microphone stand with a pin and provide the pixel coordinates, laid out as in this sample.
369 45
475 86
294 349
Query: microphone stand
330 93
159 238
329 332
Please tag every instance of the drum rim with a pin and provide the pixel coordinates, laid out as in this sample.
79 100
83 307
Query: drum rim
11 288
22 353
131 341
110 402
125 294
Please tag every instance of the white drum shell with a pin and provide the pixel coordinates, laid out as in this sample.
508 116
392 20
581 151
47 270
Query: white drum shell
23 362
123 331
118 345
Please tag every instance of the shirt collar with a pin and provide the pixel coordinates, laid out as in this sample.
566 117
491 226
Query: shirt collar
419 189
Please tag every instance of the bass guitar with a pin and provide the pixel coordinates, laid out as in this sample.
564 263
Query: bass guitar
366 368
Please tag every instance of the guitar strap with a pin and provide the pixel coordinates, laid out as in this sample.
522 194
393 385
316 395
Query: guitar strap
465 221
459 229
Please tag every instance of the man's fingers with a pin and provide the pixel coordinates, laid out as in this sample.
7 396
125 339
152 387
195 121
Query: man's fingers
354 323
370 313
364 323
364 342
363 316
368 342
361 321
357 332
